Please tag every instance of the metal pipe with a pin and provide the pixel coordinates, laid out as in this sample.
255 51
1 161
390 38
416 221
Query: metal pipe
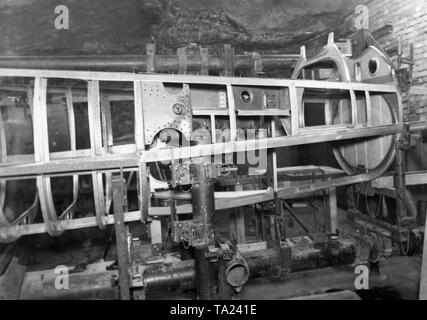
138 63
203 212
237 271
180 275
260 263
173 277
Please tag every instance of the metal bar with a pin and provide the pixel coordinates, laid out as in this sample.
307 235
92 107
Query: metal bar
220 204
86 165
204 57
423 277
94 116
193 79
229 67
333 210
232 113
298 220
139 117
296 108
151 57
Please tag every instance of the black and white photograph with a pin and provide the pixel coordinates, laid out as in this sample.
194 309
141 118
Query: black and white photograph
215 155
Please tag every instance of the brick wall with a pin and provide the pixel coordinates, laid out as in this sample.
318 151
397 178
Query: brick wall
409 21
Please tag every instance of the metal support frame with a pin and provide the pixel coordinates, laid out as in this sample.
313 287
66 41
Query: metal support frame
101 160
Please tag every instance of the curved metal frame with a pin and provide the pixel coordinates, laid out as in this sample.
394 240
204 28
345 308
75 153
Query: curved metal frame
41 154
101 134
102 158
27 215
331 52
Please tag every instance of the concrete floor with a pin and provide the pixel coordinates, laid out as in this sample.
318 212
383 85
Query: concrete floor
398 278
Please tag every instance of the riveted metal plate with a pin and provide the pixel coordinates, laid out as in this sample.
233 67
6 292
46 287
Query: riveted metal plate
161 110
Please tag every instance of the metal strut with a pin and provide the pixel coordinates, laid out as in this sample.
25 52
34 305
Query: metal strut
203 212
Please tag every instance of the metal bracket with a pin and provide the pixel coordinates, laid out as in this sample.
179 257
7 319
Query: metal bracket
188 231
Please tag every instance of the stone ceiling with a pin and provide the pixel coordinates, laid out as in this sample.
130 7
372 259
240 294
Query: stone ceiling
125 26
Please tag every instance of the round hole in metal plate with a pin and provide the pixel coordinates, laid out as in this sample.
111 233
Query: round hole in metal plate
373 66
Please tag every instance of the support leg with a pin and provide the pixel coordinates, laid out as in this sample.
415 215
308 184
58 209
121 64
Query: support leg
423 278
120 206
203 212
333 209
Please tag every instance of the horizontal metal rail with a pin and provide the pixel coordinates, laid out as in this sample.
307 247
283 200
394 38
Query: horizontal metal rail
191 79
118 162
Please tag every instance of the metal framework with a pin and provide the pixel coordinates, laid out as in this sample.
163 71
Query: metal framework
190 124
100 160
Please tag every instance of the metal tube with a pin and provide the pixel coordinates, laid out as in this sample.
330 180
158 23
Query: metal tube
173 277
179 275
269 262
237 271
203 212
138 63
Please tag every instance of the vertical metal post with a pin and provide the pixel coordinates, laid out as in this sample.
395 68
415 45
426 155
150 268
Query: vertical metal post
400 184
399 177
228 60
203 212
151 57
237 222
423 278
204 58
182 60
256 68
120 207
333 209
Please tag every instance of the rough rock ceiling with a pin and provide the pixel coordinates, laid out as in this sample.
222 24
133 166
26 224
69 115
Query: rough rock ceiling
125 26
